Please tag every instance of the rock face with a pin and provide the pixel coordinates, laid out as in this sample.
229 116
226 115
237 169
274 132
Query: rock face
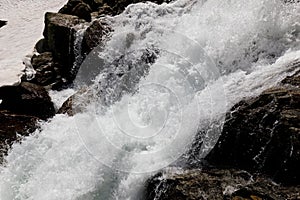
215 185
2 23
59 34
94 35
48 71
262 134
20 108
27 99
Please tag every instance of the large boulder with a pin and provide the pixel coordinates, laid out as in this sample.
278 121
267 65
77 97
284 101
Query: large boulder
214 185
27 99
262 134
60 35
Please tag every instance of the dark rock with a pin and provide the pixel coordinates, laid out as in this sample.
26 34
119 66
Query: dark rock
67 107
214 185
47 71
94 4
2 23
94 35
105 10
42 59
60 36
41 46
83 11
12 125
293 80
77 8
262 134
27 99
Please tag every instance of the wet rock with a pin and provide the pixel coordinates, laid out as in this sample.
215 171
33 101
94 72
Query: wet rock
48 72
77 8
13 125
214 185
293 80
94 35
2 23
59 33
262 134
27 99
67 107
77 102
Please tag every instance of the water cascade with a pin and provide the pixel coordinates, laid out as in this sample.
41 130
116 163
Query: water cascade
141 116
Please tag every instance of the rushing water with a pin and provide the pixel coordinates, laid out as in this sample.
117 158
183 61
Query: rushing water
139 117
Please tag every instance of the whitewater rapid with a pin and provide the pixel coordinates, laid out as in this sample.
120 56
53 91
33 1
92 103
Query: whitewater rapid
24 28
209 56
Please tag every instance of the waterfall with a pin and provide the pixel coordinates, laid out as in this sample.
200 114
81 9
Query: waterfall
77 48
168 72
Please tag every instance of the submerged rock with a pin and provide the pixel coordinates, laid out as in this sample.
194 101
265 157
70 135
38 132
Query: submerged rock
215 184
262 134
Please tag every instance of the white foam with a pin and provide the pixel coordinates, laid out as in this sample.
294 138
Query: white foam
211 56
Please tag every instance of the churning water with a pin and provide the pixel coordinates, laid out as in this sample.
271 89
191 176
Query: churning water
167 73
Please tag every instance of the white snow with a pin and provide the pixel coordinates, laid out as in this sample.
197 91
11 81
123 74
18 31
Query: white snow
24 28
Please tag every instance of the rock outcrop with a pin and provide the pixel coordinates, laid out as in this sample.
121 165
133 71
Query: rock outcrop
20 108
47 71
27 99
259 144
262 134
60 36
215 185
